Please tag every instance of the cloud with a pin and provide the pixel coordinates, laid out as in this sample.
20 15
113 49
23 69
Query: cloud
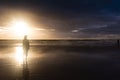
110 29
75 31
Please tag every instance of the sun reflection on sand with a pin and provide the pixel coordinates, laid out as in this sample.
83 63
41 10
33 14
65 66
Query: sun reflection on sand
19 55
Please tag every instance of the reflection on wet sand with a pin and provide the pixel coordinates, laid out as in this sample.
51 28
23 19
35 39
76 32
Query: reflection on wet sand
22 62
19 55
60 63
25 71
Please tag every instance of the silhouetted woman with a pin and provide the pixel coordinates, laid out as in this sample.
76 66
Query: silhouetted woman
25 46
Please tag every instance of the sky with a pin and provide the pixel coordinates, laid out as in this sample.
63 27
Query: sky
61 18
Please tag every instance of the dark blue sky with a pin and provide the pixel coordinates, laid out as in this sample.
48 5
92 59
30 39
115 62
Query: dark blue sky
74 18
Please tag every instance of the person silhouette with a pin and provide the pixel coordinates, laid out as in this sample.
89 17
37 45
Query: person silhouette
118 43
25 46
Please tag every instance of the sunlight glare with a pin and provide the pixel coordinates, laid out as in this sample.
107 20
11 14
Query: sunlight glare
20 27
19 55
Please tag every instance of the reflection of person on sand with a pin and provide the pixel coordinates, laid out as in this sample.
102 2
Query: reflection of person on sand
25 72
25 46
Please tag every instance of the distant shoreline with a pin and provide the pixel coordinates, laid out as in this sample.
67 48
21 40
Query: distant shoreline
66 39
62 42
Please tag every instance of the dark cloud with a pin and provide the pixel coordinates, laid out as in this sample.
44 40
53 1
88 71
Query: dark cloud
79 18
110 29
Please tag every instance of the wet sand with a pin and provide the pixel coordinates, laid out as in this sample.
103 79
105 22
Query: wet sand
62 63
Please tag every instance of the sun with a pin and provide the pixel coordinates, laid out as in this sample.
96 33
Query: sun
20 27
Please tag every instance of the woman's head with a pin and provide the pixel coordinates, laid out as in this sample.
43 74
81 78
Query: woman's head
25 37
